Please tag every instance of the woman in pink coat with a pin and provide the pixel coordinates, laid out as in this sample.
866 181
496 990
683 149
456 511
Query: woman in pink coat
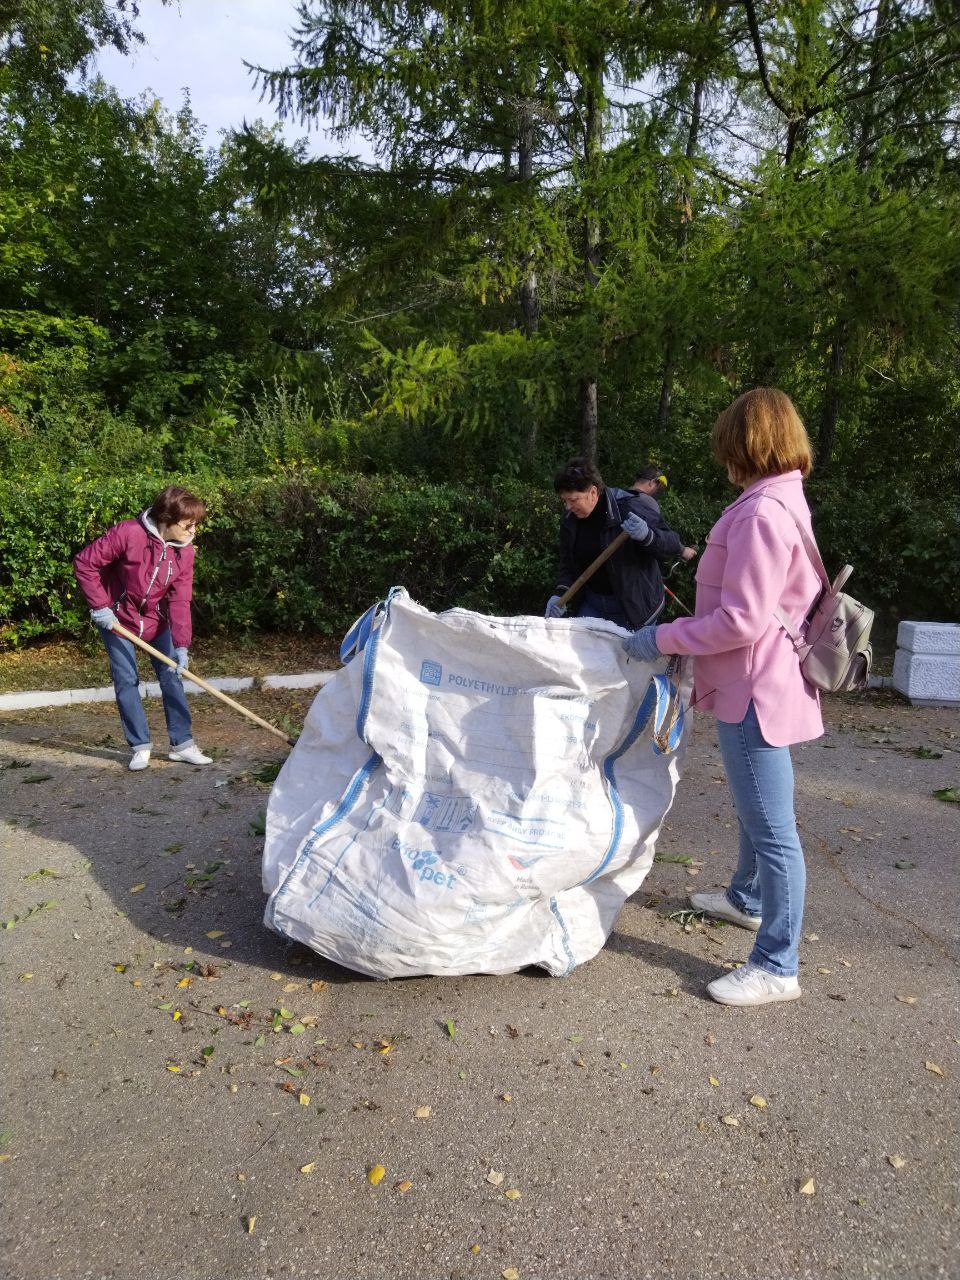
747 672
140 574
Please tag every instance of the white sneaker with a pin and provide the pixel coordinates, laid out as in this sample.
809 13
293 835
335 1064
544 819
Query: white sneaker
719 906
190 755
139 760
752 985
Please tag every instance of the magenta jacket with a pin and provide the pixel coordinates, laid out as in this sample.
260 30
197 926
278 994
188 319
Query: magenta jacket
753 563
146 581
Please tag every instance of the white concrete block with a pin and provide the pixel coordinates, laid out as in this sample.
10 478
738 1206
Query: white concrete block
305 680
227 684
928 680
53 698
148 689
929 637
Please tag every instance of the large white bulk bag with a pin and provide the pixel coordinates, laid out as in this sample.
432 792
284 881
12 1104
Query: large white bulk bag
471 794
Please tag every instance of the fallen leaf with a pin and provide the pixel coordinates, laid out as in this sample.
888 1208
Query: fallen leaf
896 1161
732 1121
474 1248
136 888
376 1175
907 999
251 1223
811 937
171 1067
506 1097
288 986
807 1187
904 864
933 1068
308 1168
672 991
451 1029
495 1178
822 969
216 933
715 1082
260 1042
423 1113
276 977
177 1015
710 1038
317 986
303 1099
404 1187
758 1101
512 1194
184 982
510 1273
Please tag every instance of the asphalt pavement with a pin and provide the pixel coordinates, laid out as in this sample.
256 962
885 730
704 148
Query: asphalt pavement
613 1124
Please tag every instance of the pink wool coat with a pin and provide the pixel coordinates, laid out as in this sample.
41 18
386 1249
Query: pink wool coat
753 563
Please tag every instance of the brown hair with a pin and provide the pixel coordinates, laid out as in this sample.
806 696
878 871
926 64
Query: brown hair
761 434
175 504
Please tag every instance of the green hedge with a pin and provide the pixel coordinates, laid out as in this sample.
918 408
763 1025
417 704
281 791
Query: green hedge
292 551
310 549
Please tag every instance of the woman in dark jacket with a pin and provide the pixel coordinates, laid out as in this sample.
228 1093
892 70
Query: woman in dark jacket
629 585
140 574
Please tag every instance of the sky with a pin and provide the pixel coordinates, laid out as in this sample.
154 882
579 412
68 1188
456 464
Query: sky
201 45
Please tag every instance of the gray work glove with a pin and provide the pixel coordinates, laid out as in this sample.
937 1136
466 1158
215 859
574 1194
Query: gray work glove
104 617
554 608
183 659
637 527
642 645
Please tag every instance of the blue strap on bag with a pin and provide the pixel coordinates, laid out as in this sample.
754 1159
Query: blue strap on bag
668 709
361 631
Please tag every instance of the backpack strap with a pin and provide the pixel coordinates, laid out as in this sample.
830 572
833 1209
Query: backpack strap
813 555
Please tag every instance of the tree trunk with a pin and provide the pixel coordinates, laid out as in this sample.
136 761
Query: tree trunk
529 292
592 144
529 286
588 418
683 236
839 346
831 401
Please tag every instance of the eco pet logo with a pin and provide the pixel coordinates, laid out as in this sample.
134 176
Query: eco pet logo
427 863
430 672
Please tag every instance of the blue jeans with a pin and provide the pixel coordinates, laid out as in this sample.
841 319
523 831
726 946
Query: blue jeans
594 605
126 682
771 877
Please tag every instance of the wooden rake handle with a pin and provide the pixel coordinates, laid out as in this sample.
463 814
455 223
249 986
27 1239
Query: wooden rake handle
192 675
591 569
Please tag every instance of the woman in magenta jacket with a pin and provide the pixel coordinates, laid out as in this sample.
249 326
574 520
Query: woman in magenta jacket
747 672
140 574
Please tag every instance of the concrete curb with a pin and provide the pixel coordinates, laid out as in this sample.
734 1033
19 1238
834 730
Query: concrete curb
150 689
228 684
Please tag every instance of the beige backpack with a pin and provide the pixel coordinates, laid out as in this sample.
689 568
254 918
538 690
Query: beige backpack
833 643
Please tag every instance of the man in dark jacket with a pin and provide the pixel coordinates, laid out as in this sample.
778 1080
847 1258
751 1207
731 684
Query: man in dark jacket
628 588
